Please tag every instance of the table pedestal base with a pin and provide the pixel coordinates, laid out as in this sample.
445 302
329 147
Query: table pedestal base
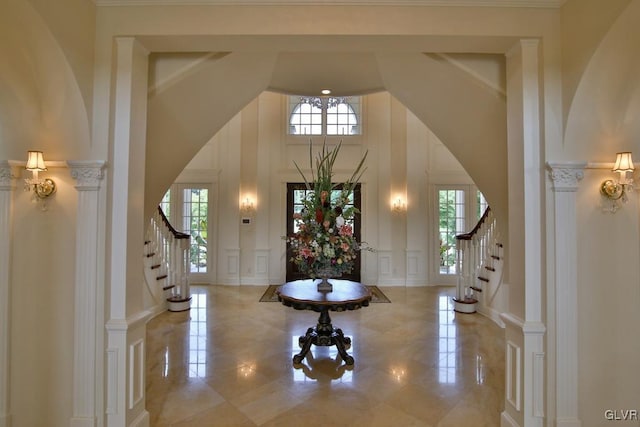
324 334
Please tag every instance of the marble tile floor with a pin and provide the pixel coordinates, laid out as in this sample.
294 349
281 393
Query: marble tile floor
228 362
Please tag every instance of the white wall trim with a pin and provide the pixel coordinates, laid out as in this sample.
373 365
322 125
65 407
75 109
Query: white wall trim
126 240
231 273
88 330
507 421
7 187
450 3
565 178
513 377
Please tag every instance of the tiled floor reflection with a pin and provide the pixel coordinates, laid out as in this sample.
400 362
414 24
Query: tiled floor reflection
227 362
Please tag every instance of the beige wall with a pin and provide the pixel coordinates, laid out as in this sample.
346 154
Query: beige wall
46 74
41 103
46 100
603 120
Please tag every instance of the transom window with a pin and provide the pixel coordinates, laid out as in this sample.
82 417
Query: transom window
324 115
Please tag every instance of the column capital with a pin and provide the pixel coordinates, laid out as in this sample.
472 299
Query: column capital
566 175
7 180
87 174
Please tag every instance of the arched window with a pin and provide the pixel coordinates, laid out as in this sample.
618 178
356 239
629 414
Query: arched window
324 116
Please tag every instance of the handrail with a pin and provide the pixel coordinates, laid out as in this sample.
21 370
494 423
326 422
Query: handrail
172 249
473 249
177 234
474 231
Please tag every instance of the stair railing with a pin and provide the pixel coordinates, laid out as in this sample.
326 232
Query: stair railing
174 247
472 249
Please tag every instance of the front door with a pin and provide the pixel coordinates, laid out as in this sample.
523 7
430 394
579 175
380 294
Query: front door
296 192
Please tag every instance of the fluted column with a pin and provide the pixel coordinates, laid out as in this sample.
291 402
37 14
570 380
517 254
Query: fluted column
565 178
7 185
88 176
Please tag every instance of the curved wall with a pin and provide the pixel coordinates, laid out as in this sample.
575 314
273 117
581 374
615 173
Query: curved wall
41 105
602 121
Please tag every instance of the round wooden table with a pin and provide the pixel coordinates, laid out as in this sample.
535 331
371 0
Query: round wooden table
304 295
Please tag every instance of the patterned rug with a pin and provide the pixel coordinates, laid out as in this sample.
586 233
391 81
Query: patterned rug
377 295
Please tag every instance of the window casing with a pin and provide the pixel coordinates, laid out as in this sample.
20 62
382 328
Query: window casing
324 116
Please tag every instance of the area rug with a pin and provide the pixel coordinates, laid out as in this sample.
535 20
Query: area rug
377 295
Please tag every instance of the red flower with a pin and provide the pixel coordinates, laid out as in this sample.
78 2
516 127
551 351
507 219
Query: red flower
346 230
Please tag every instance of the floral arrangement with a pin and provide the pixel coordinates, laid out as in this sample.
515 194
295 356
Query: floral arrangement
324 245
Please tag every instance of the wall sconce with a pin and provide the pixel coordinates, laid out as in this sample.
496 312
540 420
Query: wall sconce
399 205
616 191
42 188
247 205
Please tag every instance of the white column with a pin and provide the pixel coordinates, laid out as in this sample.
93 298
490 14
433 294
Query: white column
533 169
565 177
525 330
125 327
86 374
7 186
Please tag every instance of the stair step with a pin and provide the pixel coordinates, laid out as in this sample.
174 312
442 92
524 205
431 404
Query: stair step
483 279
475 288
146 242
489 268
153 267
166 288
499 245
495 257
466 300
150 254
163 276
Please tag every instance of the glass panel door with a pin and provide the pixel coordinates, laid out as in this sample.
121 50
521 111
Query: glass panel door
451 222
196 223
296 193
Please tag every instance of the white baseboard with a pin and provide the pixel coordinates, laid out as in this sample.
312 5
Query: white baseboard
254 281
507 421
416 283
570 422
83 422
492 314
141 420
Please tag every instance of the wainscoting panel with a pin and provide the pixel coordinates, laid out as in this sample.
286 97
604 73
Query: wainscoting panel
513 376
231 263
385 272
112 381
416 274
136 373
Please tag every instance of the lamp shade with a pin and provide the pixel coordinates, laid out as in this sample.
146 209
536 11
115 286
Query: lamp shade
623 162
35 161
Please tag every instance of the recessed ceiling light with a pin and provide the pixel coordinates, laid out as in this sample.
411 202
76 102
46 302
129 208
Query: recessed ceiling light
326 91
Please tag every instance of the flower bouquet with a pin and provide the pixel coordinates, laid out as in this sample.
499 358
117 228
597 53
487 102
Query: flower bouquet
324 245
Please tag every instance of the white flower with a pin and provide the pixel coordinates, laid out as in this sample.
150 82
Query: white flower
339 221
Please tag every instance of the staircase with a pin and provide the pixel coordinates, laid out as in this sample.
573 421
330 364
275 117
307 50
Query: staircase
166 262
480 260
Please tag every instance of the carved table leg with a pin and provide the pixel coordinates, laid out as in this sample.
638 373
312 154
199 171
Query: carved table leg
324 334
305 343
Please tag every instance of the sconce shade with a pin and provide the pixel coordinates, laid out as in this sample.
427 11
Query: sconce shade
623 162
35 161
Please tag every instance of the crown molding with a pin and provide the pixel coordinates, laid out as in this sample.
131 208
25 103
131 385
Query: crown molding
449 3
